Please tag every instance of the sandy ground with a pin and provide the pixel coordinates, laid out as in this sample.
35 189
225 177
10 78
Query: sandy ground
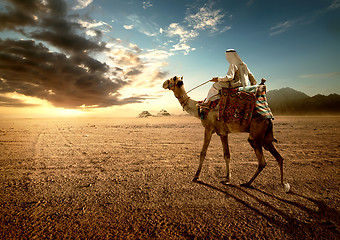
132 179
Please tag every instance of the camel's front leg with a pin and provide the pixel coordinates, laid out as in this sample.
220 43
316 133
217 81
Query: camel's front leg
207 138
226 155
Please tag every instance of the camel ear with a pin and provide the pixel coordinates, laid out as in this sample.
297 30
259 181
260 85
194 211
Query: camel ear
182 78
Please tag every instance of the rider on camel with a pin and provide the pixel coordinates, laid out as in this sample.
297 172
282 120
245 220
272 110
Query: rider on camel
238 75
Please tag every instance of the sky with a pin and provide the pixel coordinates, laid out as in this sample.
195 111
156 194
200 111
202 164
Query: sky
109 58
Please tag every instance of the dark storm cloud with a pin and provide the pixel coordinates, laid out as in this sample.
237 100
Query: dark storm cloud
20 13
47 21
70 78
69 42
29 68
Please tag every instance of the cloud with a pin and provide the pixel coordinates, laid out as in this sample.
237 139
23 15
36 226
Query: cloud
224 29
124 57
128 27
184 35
281 27
143 69
138 67
14 102
143 25
147 4
55 60
94 25
82 4
30 69
334 5
197 20
68 41
206 18
48 22
182 47
21 15
135 47
321 75
287 25
156 54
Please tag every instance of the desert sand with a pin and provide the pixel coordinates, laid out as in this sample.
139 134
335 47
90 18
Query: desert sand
132 179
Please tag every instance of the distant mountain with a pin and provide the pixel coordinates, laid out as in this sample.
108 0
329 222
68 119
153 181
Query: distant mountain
287 101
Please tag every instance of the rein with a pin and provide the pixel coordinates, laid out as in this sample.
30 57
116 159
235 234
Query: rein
184 103
198 86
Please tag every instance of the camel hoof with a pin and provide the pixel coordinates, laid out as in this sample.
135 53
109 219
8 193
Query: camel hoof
286 187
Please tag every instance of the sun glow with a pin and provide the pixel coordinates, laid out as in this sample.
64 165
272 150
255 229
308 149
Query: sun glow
35 107
62 112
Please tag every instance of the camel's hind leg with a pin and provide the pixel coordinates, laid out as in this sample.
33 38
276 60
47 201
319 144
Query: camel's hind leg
268 145
226 155
261 164
257 133
207 138
271 148
261 134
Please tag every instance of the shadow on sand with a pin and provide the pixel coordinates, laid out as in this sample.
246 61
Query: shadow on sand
322 223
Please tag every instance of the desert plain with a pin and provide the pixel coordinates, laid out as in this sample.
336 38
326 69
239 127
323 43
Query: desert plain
132 179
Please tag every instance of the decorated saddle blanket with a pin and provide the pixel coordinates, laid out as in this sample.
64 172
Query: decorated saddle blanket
236 106
239 106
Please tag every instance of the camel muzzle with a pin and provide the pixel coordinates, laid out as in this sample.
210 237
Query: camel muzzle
166 85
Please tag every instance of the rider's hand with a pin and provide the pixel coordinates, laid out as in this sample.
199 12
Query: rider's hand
215 79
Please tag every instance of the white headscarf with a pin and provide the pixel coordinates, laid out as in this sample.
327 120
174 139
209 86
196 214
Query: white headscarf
234 59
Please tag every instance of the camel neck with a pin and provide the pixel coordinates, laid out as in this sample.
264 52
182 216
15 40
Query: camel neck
191 108
188 105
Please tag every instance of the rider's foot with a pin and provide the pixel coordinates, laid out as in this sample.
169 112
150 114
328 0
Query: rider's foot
204 104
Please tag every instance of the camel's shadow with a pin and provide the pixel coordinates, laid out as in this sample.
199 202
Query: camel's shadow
323 220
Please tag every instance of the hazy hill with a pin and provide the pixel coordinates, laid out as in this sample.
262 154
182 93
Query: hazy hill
287 101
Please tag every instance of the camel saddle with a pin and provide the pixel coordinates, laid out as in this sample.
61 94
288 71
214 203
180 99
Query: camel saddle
239 106
236 106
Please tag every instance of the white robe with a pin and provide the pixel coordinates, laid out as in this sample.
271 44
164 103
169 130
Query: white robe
238 75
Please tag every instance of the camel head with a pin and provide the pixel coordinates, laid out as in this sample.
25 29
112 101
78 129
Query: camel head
173 83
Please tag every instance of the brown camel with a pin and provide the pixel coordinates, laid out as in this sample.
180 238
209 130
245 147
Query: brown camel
260 132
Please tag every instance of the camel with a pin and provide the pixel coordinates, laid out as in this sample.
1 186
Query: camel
260 132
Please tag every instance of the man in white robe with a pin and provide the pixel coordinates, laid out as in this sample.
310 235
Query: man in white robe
238 75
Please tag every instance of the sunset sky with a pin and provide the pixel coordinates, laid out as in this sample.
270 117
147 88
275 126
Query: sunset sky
109 58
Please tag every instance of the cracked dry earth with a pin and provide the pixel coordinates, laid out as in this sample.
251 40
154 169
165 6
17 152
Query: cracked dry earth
131 179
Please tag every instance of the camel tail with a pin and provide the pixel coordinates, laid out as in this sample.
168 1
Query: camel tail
269 135
268 138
